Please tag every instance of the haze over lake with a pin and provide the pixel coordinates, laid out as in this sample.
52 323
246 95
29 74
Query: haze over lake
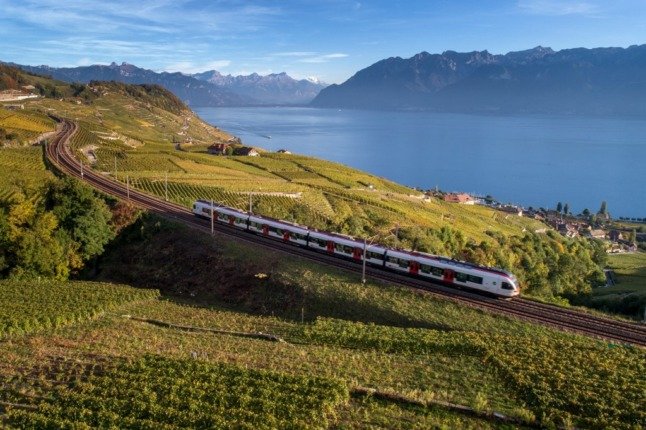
529 160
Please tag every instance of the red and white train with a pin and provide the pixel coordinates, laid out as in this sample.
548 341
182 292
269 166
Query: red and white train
438 269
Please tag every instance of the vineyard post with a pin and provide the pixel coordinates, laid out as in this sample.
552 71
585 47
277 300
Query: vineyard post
363 270
212 216
250 201
128 186
166 186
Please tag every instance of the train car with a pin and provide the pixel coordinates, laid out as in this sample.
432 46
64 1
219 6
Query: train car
279 229
452 272
222 214
346 246
426 266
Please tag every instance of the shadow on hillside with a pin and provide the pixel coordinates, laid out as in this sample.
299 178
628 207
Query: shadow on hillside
190 269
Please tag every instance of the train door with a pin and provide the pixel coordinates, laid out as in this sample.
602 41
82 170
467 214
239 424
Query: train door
232 219
449 275
330 246
286 236
265 230
357 253
413 267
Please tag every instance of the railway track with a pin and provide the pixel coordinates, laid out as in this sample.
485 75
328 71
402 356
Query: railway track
59 154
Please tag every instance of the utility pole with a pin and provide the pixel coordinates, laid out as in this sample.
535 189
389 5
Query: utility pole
166 187
250 202
115 167
81 168
128 186
212 216
363 271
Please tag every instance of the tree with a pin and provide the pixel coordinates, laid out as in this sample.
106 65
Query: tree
31 245
566 209
633 236
603 210
586 212
85 217
559 207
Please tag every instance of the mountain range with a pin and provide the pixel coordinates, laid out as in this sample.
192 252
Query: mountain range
600 81
202 89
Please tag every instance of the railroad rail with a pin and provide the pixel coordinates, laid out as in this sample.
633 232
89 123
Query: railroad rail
58 153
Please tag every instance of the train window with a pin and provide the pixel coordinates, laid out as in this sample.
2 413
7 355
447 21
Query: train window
461 277
437 271
403 263
223 216
424 268
393 260
205 210
475 279
374 255
320 242
506 286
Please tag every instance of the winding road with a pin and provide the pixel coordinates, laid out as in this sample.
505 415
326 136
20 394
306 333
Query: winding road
59 155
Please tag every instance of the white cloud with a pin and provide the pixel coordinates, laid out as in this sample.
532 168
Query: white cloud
558 7
294 54
322 58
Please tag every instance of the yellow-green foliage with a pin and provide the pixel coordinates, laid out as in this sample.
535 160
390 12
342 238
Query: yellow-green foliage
27 306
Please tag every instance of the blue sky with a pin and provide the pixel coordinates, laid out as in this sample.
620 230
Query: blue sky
328 39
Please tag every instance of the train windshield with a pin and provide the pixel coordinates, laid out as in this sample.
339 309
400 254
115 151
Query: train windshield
507 286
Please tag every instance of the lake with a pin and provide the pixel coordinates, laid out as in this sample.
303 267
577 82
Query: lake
529 160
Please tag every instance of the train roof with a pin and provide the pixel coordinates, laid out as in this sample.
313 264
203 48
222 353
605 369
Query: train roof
280 223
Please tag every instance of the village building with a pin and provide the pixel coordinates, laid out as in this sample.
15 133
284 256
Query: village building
512 210
567 230
461 198
596 234
615 236
218 148
246 151
283 151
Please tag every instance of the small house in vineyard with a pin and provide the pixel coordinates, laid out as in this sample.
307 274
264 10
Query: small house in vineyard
218 148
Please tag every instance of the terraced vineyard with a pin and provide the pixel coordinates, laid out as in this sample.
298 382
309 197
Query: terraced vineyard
28 306
23 171
25 124
159 393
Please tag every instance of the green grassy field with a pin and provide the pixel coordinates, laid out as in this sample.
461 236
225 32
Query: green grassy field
630 270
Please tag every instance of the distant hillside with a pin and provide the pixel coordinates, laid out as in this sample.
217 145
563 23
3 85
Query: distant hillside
603 81
202 89
192 91
276 88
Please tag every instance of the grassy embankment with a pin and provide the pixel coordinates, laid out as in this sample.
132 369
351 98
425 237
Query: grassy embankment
628 295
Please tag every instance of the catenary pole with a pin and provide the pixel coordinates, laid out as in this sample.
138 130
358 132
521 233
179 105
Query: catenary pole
363 270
